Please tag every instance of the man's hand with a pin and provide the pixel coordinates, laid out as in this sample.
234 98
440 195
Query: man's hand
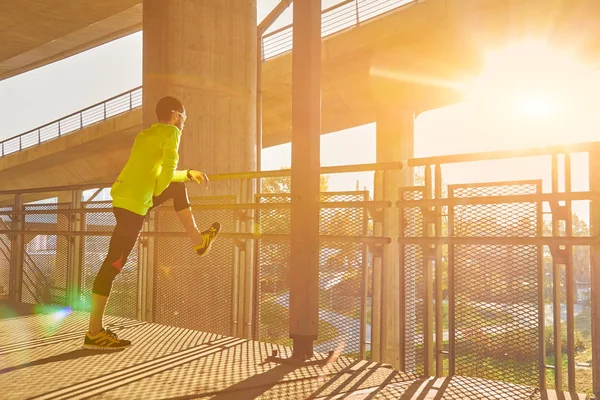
199 177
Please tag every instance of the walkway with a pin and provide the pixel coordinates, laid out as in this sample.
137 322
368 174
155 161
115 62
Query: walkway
41 358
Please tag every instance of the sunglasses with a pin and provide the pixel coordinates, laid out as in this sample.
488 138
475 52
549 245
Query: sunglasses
183 116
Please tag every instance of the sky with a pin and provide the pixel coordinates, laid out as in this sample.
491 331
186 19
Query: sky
494 118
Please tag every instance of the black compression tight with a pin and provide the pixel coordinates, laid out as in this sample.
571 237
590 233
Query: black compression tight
126 233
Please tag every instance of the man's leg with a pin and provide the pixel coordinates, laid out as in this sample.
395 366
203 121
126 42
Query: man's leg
122 241
201 241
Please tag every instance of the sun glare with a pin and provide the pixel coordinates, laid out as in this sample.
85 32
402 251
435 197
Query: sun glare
530 79
531 94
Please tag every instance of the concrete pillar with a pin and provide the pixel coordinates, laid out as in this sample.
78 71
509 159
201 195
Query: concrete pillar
306 130
203 52
395 142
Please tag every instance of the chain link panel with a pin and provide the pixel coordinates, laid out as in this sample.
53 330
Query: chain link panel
496 288
45 257
193 292
124 292
5 254
340 273
412 225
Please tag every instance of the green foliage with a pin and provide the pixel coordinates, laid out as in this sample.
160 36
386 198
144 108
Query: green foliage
283 184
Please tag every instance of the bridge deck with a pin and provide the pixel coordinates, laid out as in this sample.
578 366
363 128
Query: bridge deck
41 358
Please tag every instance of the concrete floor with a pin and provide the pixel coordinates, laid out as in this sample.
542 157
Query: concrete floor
41 358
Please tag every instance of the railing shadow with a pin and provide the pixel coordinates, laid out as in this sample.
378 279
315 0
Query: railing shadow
72 355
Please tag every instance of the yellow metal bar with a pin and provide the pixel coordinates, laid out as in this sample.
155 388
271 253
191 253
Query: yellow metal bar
520 198
503 240
341 169
241 206
497 155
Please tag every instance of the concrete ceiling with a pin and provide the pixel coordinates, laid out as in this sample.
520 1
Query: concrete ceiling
38 32
425 44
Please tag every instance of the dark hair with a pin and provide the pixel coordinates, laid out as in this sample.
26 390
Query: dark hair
166 105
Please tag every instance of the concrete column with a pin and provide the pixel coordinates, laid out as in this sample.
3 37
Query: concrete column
395 142
306 130
203 52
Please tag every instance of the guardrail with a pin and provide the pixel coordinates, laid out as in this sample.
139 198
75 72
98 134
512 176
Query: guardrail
344 15
482 276
112 107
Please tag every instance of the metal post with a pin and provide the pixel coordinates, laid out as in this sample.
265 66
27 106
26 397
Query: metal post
306 130
39 136
594 171
149 266
59 128
81 120
259 111
249 264
20 143
17 250
427 285
556 275
236 315
104 104
130 100
75 251
357 13
439 330
376 326
541 296
364 285
451 294
570 280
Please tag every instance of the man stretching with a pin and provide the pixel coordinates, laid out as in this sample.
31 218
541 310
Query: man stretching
149 178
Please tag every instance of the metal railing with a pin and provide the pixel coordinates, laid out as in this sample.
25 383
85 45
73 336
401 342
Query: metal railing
479 264
112 107
344 15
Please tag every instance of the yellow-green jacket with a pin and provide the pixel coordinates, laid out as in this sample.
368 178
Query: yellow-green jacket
151 167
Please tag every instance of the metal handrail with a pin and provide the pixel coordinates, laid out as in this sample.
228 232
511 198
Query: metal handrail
344 15
76 121
232 176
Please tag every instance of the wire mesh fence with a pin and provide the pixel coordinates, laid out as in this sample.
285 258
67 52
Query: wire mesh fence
45 256
496 304
5 254
94 249
411 219
476 288
190 291
341 273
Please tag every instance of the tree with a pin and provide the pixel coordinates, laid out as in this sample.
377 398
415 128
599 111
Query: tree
581 256
283 184
336 258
